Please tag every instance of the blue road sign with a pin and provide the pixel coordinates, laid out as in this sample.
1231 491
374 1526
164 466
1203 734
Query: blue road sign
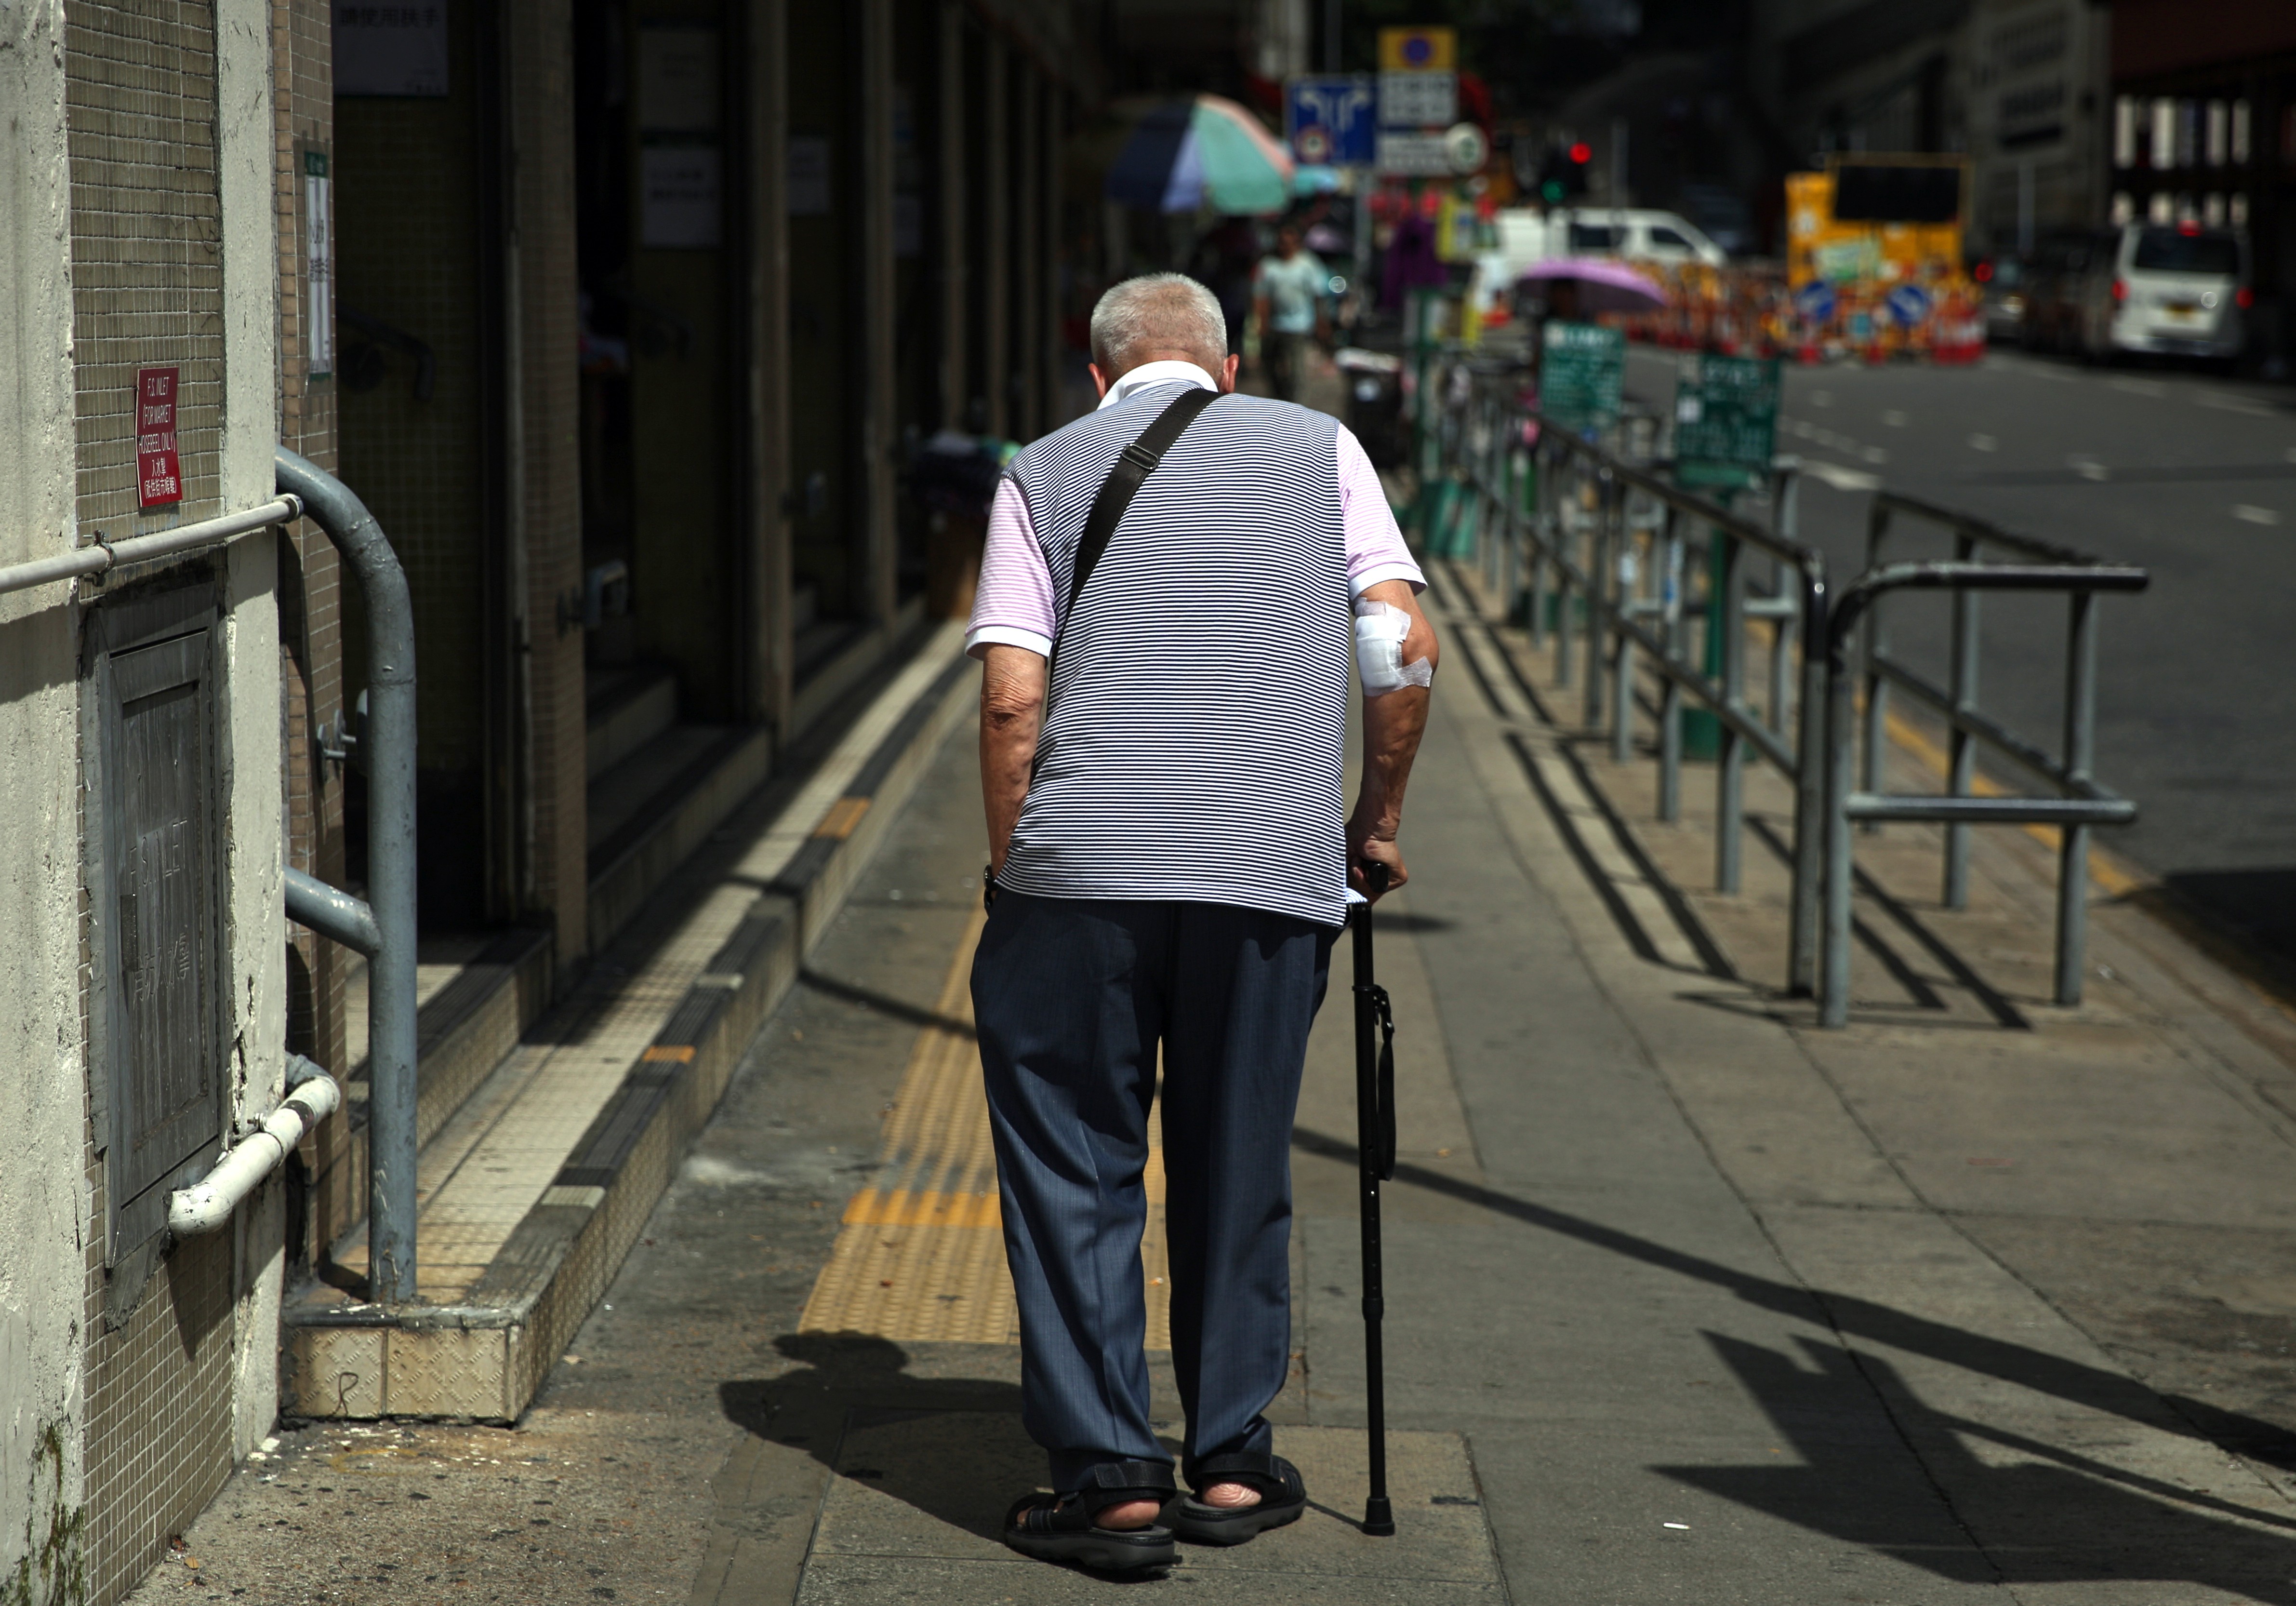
1908 304
1814 301
1333 119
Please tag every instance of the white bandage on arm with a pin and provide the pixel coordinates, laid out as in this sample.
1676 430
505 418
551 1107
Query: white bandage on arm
1379 630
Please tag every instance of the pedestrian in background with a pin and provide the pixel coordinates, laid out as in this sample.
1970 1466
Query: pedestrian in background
1292 296
1168 864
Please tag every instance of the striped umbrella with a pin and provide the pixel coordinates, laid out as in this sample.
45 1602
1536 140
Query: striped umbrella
1185 153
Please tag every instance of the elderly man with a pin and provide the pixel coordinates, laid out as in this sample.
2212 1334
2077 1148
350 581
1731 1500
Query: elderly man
1164 612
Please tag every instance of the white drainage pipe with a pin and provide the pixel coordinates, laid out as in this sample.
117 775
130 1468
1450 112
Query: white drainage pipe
208 1203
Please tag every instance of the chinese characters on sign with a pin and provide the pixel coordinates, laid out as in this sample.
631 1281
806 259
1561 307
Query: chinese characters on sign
319 263
1582 375
1418 99
158 471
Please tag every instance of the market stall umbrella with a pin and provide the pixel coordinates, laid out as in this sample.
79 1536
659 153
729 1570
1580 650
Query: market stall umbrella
1603 285
1184 153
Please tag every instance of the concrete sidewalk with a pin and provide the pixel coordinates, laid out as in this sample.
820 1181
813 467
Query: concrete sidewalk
1686 1301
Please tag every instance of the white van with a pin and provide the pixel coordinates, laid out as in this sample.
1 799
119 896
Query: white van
2169 289
1637 234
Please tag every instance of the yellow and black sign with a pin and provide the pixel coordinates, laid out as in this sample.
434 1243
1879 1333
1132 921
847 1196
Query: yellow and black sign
1418 49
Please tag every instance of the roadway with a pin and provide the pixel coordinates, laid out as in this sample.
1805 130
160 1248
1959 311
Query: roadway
2192 477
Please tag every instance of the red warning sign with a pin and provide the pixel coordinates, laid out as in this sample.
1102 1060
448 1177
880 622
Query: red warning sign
159 470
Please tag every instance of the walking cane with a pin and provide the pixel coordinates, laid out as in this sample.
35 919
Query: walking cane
1375 1164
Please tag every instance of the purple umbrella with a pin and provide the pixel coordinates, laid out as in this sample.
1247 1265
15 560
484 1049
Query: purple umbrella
1603 285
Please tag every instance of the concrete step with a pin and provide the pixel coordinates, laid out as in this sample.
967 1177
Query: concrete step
628 708
653 809
533 1190
479 991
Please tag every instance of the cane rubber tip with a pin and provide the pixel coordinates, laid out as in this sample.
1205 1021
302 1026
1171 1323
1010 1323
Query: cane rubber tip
1378 1519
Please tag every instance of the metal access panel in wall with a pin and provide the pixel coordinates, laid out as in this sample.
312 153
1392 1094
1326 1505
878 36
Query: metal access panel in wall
161 1060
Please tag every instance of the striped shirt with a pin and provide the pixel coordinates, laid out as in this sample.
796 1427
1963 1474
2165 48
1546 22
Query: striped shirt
1193 745
1014 603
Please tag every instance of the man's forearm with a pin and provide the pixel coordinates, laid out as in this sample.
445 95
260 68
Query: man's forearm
1393 724
1393 721
1011 713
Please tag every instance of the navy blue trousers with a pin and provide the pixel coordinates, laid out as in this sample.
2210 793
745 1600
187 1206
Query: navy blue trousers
1073 998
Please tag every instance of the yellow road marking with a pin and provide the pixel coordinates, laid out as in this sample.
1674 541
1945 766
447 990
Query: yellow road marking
843 815
680 1054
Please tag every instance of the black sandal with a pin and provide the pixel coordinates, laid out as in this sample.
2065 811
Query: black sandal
1282 1496
1063 1528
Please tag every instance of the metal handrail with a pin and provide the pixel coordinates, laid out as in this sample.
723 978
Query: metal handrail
1957 701
389 746
1486 452
1616 630
99 555
2080 803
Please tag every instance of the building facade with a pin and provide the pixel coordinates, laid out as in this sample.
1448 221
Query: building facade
2204 131
625 317
2019 87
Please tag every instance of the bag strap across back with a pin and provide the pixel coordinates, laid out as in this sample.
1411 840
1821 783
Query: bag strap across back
1131 471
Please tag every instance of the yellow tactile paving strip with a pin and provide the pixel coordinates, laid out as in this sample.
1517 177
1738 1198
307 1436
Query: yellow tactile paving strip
920 1257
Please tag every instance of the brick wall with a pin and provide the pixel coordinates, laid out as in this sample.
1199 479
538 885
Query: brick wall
542 51
147 288
406 175
311 596
146 233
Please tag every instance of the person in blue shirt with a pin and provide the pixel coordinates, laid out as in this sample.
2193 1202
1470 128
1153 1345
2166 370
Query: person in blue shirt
1292 296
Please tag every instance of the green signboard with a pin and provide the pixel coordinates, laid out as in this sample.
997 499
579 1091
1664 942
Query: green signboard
1725 420
1582 375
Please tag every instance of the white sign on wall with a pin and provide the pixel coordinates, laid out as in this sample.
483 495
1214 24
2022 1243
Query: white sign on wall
318 265
398 48
1414 155
1418 100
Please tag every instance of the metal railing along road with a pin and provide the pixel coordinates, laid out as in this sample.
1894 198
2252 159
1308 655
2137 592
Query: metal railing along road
1581 533
2075 801
1611 539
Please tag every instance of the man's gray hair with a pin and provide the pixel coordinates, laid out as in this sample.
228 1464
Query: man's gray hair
1158 312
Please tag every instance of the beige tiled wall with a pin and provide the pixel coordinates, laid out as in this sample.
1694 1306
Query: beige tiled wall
147 288
311 596
407 197
146 232
159 1410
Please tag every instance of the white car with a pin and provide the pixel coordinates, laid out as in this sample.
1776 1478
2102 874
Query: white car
2174 289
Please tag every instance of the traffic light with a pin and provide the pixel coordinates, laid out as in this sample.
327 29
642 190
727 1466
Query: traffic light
1564 174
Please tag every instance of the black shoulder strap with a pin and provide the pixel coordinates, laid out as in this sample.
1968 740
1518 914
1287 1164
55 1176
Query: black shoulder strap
1116 491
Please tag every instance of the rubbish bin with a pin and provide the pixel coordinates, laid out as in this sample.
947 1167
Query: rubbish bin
1374 385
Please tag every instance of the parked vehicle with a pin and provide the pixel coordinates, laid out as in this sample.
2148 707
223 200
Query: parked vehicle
2003 282
2169 290
2055 279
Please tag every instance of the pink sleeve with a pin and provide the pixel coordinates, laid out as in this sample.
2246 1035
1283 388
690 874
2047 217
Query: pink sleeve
1014 604
1375 548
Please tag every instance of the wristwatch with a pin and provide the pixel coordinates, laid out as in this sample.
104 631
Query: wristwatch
987 887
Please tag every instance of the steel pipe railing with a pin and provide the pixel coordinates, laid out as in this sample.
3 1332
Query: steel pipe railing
389 746
2079 803
1609 538
1599 543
